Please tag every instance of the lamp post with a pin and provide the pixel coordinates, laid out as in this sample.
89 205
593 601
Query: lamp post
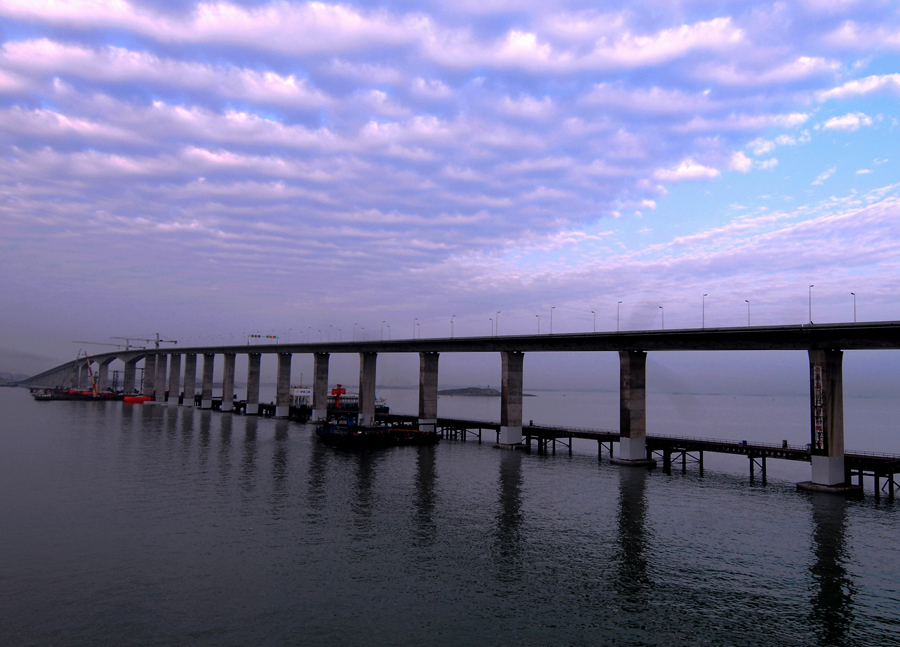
854 306
552 308
497 326
362 331
320 336
617 315
329 333
340 335
595 320
389 332
354 331
451 326
811 286
539 323
492 325
382 330
748 311
308 328
703 324
662 313
415 323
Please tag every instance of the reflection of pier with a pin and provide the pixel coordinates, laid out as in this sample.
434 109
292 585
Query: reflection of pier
832 600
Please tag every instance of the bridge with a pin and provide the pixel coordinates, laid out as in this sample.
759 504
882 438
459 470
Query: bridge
824 343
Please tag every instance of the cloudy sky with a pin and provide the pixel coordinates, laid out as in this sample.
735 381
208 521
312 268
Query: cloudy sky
210 170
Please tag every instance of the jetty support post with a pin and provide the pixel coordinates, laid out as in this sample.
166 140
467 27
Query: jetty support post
162 365
209 360
632 407
149 386
367 388
253 366
826 404
283 386
174 378
190 379
428 388
228 382
511 398
320 386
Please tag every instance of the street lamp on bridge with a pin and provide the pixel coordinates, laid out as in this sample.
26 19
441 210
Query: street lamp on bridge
811 286
617 315
595 320
539 323
703 320
451 326
854 306
552 308
662 313
748 311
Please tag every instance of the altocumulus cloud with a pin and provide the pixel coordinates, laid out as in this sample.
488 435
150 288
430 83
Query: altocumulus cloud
372 161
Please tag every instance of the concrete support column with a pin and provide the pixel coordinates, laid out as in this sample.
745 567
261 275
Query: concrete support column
511 398
826 404
253 364
190 379
283 386
209 360
320 386
162 365
228 383
103 376
367 388
128 377
84 381
428 388
174 378
149 375
632 407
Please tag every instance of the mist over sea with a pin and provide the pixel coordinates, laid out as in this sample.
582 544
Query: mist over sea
163 525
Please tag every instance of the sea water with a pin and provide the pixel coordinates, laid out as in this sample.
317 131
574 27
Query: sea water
162 525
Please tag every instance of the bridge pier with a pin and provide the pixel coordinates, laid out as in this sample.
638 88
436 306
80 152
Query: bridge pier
149 386
83 381
209 360
633 409
128 378
826 406
103 374
283 386
162 364
190 379
174 379
511 398
367 388
228 382
428 388
253 364
320 386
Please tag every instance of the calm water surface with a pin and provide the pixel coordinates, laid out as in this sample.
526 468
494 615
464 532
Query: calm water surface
155 525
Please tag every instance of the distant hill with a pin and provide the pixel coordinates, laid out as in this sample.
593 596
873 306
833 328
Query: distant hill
7 378
478 392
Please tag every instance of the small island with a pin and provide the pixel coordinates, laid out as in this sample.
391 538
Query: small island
478 392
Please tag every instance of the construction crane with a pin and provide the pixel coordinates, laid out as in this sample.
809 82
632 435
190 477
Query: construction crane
100 343
159 340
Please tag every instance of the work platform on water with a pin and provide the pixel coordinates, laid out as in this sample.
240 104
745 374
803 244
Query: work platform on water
831 467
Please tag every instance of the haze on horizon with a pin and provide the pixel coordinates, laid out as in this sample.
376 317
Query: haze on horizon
311 169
